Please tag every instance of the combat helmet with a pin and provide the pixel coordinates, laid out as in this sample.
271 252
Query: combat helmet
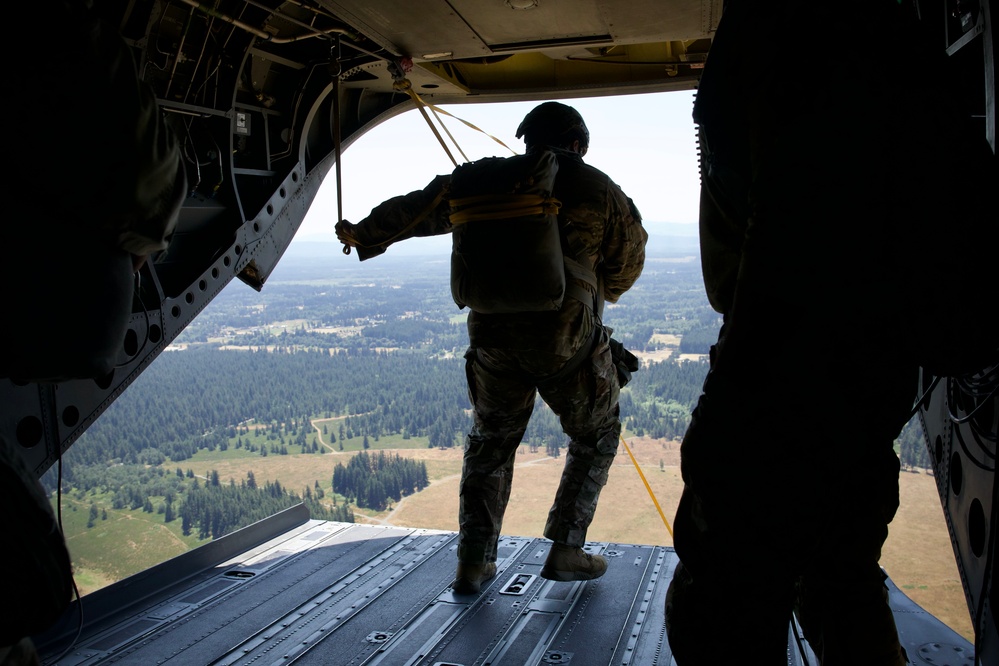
554 124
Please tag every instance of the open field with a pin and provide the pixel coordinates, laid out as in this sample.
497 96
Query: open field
126 542
918 555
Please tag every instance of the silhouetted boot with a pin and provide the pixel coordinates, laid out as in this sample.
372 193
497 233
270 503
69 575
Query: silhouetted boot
567 563
22 653
470 577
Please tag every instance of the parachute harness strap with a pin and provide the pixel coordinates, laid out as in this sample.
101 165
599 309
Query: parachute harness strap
501 207
647 487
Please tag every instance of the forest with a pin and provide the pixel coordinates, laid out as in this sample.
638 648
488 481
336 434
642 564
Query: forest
206 507
399 392
343 359
372 480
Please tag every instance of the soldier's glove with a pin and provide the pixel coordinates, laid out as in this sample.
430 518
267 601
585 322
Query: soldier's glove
345 234
358 236
625 362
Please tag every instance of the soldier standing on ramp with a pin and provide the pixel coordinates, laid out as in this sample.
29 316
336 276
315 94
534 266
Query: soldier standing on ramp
564 354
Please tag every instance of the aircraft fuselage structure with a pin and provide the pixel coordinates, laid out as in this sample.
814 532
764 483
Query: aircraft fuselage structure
267 94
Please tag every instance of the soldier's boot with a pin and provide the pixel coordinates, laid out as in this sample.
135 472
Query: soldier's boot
567 563
470 577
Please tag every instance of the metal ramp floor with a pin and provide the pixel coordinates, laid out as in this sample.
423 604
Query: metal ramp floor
291 590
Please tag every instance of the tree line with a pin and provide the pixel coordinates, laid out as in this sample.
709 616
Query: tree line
390 393
661 396
371 480
207 507
215 509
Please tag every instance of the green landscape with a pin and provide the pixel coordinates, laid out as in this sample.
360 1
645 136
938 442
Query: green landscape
341 385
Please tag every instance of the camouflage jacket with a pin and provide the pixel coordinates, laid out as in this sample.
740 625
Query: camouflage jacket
606 221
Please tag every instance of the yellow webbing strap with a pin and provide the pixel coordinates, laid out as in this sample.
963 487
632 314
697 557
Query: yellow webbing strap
501 207
437 109
647 487
407 87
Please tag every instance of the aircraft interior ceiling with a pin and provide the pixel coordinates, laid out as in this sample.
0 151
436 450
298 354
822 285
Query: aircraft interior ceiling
266 93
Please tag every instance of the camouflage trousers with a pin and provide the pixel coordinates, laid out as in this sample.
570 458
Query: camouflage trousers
502 386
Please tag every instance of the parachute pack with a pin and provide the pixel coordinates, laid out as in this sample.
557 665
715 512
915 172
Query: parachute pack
507 253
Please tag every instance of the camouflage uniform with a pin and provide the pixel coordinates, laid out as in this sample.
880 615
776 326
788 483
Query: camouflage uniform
512 357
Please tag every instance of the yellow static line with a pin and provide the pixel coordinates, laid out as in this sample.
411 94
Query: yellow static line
647 487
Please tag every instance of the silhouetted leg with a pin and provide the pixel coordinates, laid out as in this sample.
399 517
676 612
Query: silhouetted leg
842 601
732 602
587 406
503 403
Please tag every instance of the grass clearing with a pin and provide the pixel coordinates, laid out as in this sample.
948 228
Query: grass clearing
918 554
126 542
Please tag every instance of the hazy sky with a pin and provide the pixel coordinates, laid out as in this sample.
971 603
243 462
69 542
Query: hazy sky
645 143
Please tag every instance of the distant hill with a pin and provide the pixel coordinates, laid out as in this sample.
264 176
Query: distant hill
664 238
680 229
662 245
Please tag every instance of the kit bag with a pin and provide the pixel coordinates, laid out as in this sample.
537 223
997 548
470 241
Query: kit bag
506 251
